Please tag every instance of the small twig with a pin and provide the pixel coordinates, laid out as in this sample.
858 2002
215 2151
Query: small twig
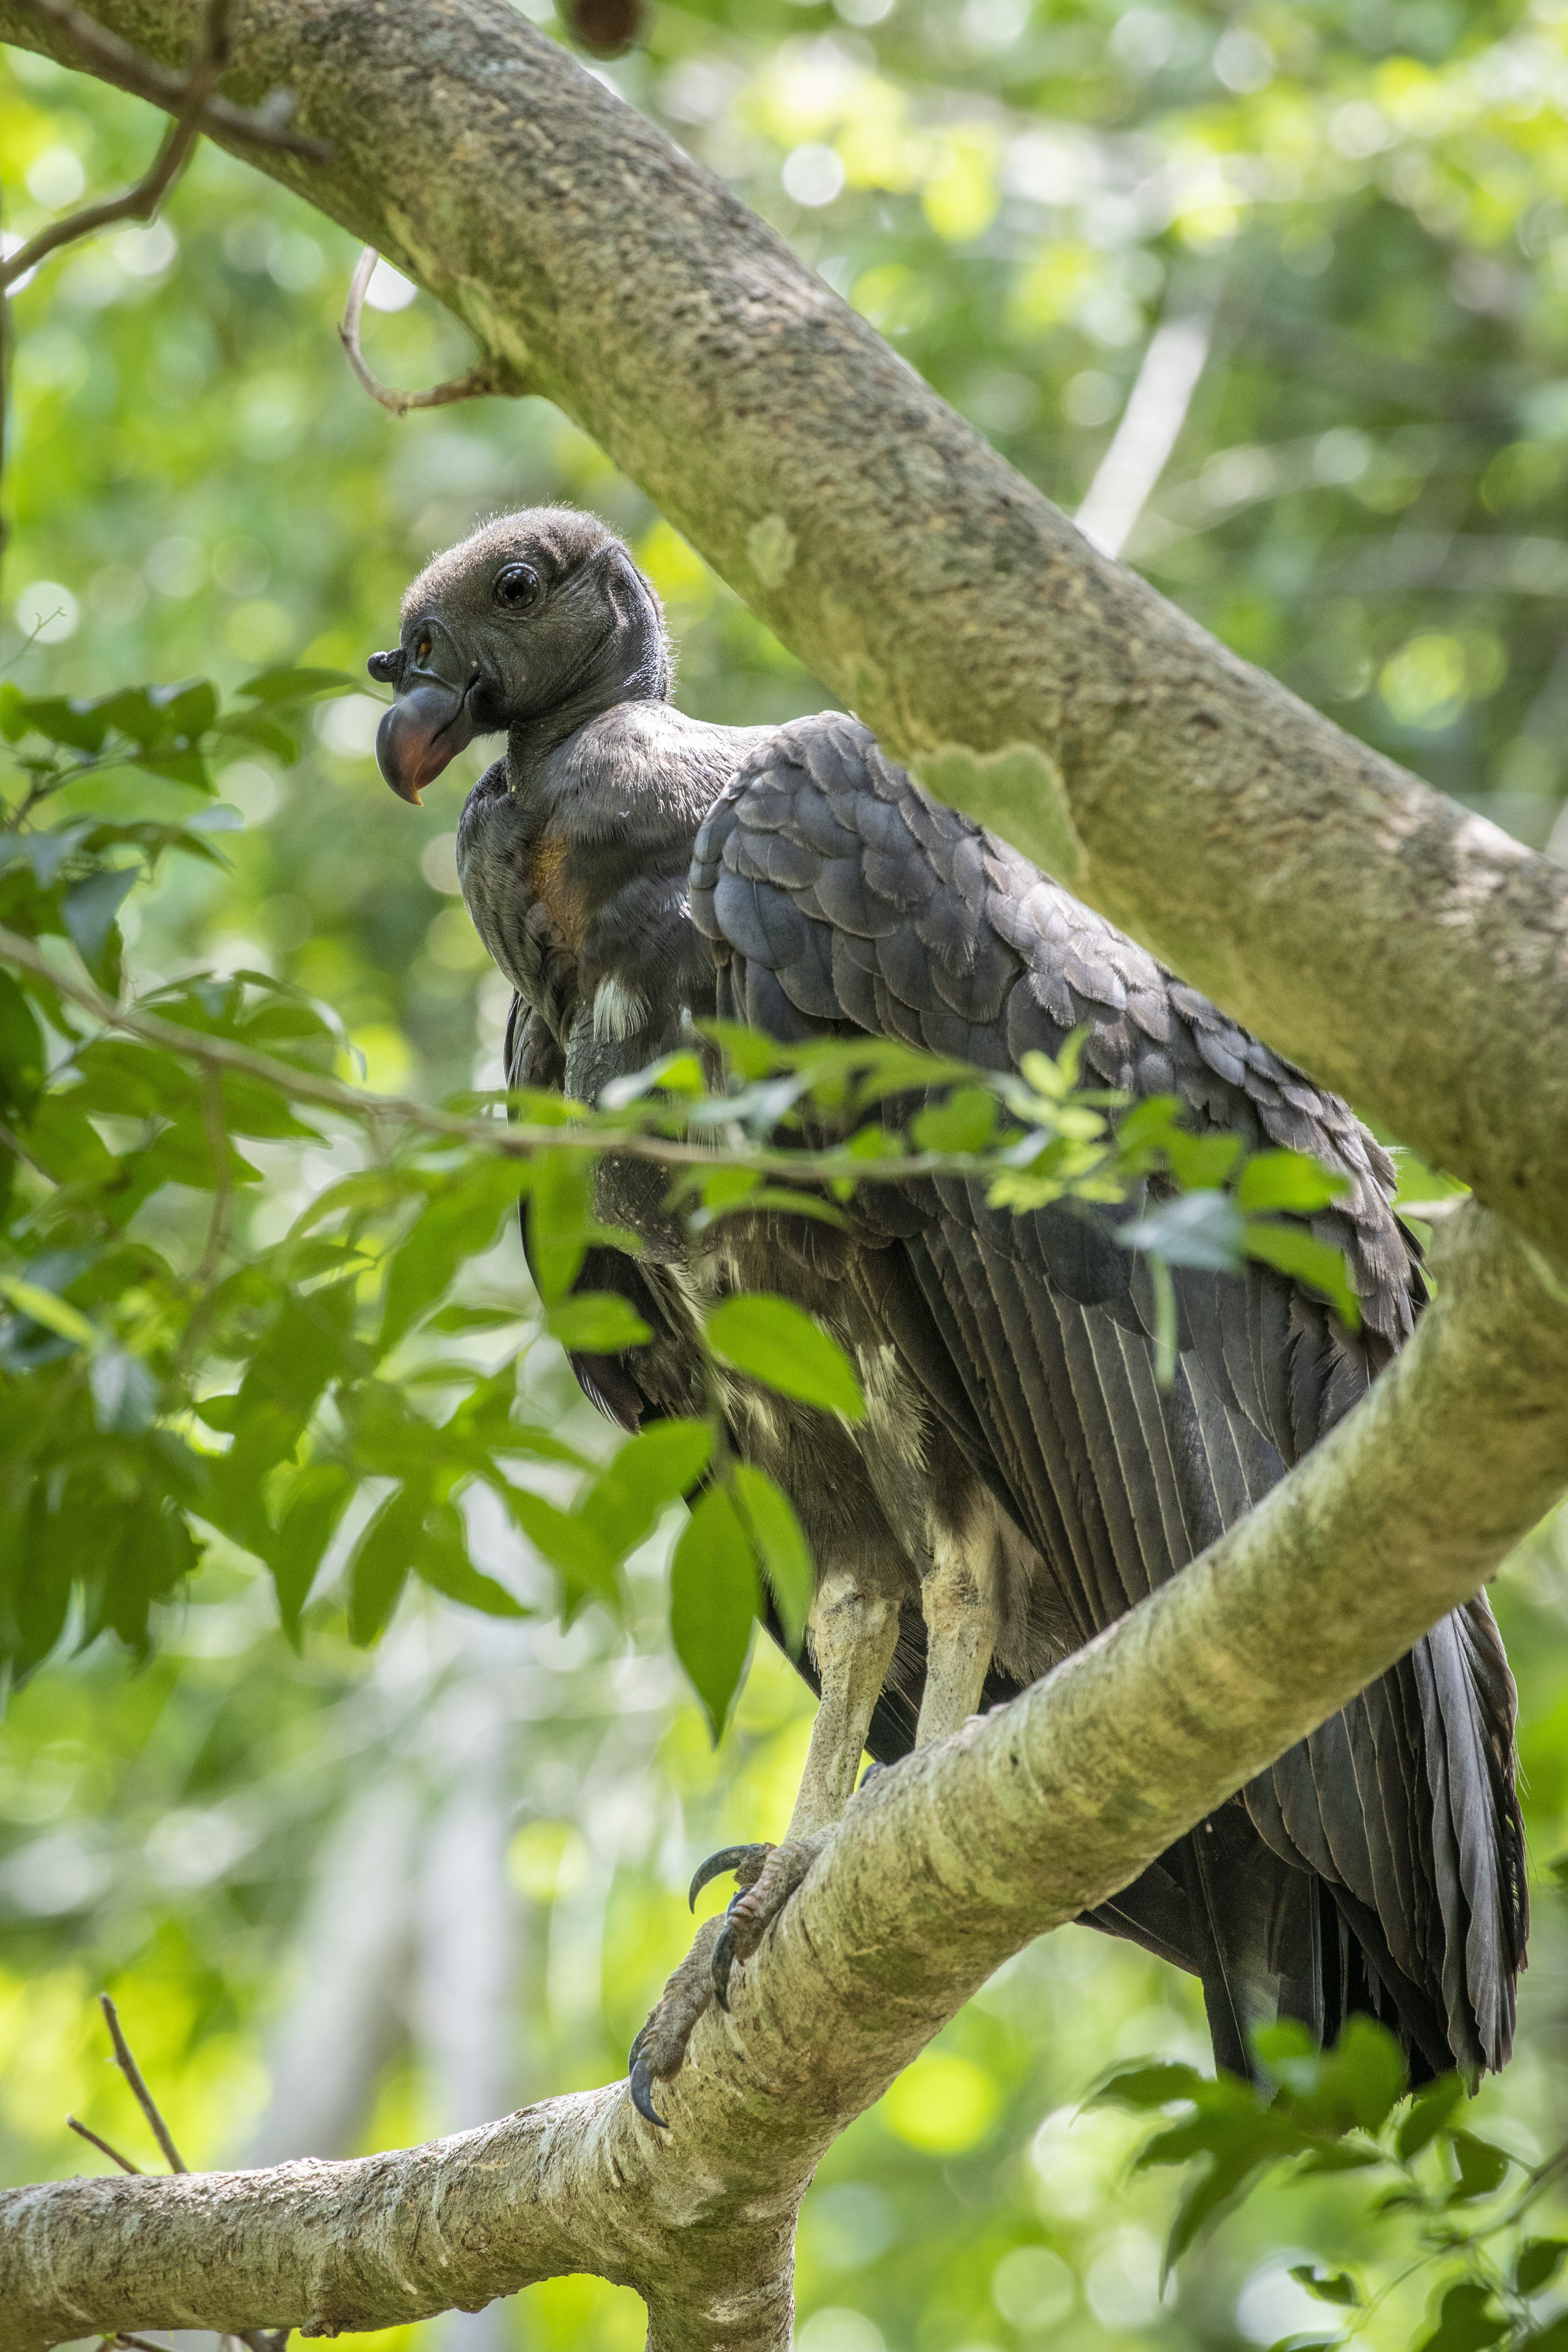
13 1144
113 2153
516 1141
223 1176
144 2099
484 378
116 61
142 201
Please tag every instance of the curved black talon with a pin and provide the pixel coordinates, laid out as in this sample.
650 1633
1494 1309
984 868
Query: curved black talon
641 2087
639 2038
729 1857
722 1961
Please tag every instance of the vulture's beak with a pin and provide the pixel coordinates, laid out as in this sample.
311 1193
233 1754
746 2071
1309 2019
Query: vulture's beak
431 721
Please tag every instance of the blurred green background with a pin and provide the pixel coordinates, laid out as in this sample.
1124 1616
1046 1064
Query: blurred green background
1286 289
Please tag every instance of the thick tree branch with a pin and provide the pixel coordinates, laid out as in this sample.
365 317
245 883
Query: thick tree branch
88 43
943 1867
1405 950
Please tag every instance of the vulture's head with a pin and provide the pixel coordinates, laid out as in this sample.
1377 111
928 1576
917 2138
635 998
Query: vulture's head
536 623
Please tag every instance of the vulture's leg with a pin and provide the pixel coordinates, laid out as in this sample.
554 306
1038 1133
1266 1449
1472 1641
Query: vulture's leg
854 1629
958 1597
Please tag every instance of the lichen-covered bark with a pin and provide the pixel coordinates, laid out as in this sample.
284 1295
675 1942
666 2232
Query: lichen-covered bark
1406 953
943 1867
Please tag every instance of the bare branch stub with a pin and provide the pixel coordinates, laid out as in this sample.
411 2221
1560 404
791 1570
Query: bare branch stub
484 380
75 2124
116 61
144 2099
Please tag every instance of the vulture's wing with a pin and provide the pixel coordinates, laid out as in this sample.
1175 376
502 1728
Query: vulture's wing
840 898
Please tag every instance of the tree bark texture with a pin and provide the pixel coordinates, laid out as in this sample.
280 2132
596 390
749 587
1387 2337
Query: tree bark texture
943 1867
1406 951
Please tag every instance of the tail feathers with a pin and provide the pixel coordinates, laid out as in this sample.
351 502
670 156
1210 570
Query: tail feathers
1269 1940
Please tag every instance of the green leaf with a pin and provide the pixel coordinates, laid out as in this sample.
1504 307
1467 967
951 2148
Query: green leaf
712 1604
660 1465
189 710
1538 2262
41 1305
251 727
965 1121
457 1223
779 1542
89 909
314 1504
1159 2085
21 1048
476 1319
596 1322
571 1543
1428 2114
1199 1163
273 687
379 1568
1292 1249
1206 2199
1552 2338
124 1394
1201 1229
1328 2287
1483 2166
1467 2321
1288 1180
441 1561
80 725
777 1343
560 1220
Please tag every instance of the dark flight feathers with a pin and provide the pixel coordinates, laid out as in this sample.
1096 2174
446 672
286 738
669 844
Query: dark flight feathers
837 896
1379 1865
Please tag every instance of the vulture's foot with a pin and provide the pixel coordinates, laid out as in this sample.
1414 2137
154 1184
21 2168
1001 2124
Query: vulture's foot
755 1909
769 1876
660 2049
747 1863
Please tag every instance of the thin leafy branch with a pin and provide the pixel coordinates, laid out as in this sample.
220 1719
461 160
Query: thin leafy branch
1413 2160
164 1390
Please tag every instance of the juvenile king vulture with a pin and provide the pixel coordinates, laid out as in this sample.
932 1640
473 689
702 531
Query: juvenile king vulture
1020 1479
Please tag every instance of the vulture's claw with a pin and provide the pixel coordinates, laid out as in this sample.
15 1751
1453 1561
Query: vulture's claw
747 1862
660 2049
724 1959
756 1907
641 2087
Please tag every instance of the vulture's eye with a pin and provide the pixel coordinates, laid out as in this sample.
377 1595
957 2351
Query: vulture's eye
517 588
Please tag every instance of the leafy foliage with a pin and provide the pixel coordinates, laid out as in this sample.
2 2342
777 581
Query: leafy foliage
312 1396
1346 2111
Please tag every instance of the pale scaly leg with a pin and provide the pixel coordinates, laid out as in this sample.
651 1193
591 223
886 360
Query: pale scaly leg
854 1629
958 1599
